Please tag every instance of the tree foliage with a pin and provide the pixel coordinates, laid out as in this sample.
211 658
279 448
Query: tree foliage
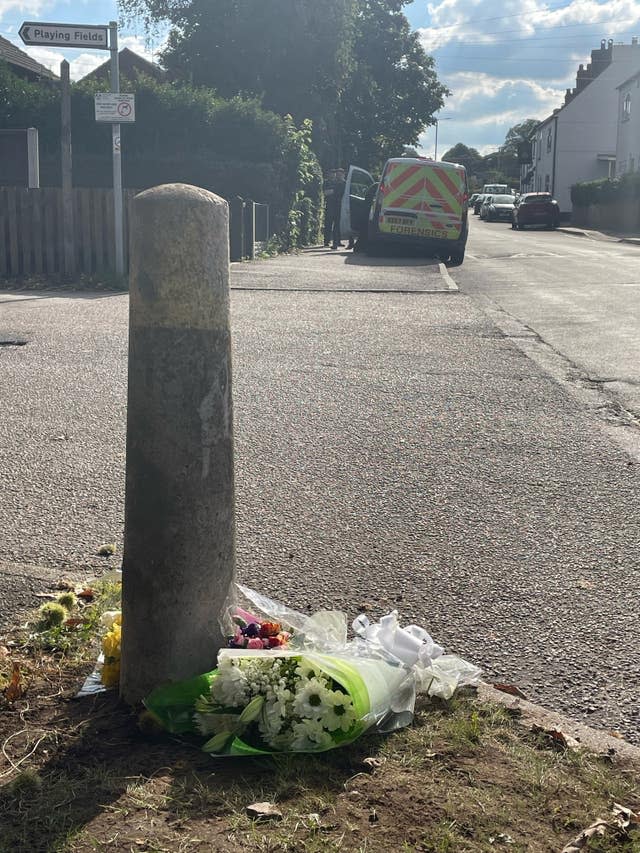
518 133
352 66
393 90
468 157
293 54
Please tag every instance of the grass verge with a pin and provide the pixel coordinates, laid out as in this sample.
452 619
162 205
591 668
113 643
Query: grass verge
81 775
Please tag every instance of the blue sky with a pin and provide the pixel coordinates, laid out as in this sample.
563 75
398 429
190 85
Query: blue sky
504 60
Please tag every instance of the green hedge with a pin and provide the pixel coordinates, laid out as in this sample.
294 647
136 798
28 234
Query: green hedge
181 134
606 191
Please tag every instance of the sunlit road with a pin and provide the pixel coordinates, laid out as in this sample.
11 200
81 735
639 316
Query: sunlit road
580 295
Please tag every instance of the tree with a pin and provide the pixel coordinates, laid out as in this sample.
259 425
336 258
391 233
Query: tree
293 54
521 132
468 157
392 91
353 66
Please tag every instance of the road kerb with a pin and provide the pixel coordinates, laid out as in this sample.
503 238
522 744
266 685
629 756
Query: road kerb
450 283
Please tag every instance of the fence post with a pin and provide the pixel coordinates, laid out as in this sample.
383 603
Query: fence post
178 561
236 233
250 230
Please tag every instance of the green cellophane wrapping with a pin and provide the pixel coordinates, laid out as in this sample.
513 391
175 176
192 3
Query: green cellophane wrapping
173 704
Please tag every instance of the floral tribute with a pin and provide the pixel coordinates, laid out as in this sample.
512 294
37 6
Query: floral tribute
284 703
110 673
251 632
306 687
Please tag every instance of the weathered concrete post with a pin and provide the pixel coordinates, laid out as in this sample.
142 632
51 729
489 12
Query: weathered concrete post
179 509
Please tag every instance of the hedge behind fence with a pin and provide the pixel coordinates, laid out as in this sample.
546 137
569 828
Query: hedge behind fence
181 134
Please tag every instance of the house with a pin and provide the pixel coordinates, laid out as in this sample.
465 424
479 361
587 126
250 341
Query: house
21 64
131 64
577 142
628 139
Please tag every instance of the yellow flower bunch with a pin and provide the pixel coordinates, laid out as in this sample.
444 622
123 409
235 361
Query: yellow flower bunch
111 652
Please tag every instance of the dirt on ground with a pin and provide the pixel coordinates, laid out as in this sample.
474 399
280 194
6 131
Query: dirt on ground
88 774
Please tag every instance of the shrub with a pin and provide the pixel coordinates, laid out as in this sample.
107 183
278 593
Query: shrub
606 191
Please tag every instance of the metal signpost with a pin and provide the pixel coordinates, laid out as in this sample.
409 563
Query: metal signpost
119 108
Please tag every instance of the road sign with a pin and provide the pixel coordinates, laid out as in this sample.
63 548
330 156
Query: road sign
115 107
64 35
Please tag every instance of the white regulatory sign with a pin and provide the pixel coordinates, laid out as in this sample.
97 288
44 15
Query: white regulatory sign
115 107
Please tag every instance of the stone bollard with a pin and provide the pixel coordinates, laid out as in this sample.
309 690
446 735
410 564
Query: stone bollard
178 562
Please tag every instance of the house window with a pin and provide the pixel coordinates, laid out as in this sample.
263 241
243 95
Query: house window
626 107
539 146
546 183
549 140
632 164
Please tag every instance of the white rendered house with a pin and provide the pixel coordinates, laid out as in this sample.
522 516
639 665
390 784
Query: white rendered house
628 143
578 141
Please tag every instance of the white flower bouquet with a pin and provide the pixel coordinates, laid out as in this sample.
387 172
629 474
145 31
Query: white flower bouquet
318 693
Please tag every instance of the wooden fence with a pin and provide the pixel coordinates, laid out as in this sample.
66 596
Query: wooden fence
31 231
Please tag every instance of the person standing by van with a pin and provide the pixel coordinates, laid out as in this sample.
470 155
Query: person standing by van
334 202
327 189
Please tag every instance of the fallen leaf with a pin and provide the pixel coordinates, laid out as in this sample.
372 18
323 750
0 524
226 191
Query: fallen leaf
264 812
556 738
370 764
14 689
74 622
511 689
87 594
585 584
598 828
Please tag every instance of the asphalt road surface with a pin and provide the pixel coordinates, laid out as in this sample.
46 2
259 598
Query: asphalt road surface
399 444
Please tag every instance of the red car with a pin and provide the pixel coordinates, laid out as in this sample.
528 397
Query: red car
536 209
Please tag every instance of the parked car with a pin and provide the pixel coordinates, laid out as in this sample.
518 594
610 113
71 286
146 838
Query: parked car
418 203
536 209
497 207
477 204
473 198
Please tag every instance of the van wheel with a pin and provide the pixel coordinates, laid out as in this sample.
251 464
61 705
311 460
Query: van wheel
456 258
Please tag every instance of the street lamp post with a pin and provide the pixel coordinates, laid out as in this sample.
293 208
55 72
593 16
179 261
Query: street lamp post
435 148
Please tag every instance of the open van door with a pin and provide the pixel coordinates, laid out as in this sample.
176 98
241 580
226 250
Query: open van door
351 209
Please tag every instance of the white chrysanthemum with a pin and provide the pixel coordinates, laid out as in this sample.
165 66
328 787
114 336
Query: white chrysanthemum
309 735
312 699
339 714
230 688
271 721
305 669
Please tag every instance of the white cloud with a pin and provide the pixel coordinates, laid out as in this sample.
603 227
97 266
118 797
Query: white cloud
26 7
508 60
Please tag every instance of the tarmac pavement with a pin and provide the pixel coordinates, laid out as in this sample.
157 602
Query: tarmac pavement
394 450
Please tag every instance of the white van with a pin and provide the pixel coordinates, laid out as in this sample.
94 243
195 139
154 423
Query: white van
418 202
